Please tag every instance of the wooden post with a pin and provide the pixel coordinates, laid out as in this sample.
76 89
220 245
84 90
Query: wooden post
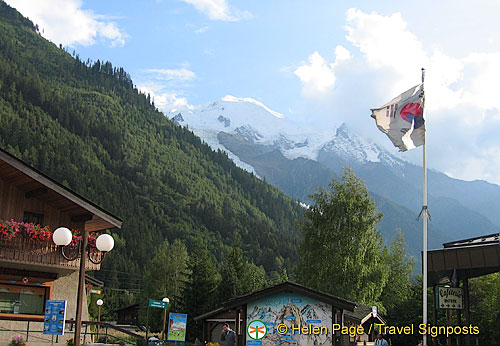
98 320
450 317
434 310
147 323
164 322
468 338
81 285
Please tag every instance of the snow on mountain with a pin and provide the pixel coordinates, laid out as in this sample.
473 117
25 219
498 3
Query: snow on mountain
259 124
351 147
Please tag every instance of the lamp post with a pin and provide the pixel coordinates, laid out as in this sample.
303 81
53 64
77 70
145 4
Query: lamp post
104 243
166 300
99 302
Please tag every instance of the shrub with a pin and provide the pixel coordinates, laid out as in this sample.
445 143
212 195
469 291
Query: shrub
17 341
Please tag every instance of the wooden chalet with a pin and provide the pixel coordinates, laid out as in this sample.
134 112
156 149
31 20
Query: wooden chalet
34 270
456 263
285 303
363 316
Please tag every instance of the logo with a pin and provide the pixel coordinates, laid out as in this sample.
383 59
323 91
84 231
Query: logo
256 330
412 112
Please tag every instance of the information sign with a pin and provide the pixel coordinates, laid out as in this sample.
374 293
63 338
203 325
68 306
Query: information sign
55 316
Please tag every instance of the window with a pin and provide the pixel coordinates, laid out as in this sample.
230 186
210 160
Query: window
16 299
37 219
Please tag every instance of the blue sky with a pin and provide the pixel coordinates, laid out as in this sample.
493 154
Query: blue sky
319 62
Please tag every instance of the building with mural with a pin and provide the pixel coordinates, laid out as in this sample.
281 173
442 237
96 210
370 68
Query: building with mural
280 308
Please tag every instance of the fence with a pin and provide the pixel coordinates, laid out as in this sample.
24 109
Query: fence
91 329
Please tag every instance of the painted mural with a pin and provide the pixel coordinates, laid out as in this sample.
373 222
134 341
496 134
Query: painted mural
290 309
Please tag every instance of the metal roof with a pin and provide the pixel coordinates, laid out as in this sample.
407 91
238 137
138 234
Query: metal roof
468 258
281 287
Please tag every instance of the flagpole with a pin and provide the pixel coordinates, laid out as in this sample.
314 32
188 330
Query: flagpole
425 216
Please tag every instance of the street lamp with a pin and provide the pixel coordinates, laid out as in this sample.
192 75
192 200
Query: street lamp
62 236
99 302
166 300
104 243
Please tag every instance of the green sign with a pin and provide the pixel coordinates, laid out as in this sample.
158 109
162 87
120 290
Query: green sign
158 304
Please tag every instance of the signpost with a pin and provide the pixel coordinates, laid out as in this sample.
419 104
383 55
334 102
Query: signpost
55 316
160 304
449 298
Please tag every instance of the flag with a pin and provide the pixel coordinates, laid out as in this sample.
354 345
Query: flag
402 119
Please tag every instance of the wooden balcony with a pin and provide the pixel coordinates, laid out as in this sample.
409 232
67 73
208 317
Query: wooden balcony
24 251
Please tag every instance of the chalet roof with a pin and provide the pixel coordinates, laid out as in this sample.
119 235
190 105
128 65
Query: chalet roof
281 287
482 240
360 311
363 313
468 258
36 184
128 307
93 281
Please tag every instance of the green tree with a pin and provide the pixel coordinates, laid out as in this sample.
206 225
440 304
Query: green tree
238 275
200 294
485 307
400 268
408 312
342 252
166 276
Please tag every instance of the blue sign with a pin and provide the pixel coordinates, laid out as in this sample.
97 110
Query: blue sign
55 316
177 327
254 342
313 321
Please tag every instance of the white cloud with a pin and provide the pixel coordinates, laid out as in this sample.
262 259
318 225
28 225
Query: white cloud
318 76
386 43
65 22
201 30
482 73
166 87
182 74
219 10
166 101
462 97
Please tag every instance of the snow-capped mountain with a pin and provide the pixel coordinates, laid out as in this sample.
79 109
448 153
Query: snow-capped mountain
297 159
253 121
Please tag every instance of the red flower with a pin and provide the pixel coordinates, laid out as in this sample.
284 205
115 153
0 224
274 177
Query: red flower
36 233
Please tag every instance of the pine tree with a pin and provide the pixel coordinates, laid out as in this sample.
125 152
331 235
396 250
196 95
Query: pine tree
238 276
201 290
166 278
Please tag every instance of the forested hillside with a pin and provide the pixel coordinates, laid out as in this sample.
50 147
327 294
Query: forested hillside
86 125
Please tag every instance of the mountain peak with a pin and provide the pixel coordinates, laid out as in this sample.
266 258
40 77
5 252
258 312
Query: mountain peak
230 98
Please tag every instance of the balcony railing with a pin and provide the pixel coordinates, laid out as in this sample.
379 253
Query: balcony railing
23 250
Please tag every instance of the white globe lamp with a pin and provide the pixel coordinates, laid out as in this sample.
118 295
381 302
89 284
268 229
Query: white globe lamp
99 302
62 236
105 243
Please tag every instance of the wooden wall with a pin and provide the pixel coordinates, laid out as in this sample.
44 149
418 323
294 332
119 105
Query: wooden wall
13 204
